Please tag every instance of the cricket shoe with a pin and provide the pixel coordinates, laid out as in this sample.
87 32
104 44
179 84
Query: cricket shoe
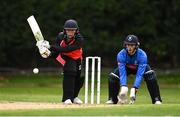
109 102
67 102
158 102
77 101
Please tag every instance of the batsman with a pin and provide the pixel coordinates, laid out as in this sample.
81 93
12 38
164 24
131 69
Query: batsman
68 51
132 60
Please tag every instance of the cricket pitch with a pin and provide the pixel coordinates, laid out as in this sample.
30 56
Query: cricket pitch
41 105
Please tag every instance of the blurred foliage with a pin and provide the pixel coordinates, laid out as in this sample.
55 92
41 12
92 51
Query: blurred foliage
103 23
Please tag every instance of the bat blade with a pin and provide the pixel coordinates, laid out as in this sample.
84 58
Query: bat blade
35 28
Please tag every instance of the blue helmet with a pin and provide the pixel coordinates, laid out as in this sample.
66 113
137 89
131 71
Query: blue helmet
71 24
131 39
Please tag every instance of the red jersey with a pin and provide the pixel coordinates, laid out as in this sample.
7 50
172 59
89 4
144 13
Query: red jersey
75 54
71 48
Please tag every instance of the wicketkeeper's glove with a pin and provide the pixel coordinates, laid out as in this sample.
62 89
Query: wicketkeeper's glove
44 52
43 43
132 96
123 94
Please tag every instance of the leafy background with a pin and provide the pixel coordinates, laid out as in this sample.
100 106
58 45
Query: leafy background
103 23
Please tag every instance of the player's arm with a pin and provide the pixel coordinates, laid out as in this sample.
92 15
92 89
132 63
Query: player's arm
122 68
142 59
121 58
58 40
141 69
77 45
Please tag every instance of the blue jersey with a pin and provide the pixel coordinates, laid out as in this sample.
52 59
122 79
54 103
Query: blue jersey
139 60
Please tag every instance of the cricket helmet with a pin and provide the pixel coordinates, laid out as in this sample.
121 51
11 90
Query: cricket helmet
71 24
131 39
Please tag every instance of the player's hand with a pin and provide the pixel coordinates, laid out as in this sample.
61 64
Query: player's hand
132 95
43 43
45 53
123 95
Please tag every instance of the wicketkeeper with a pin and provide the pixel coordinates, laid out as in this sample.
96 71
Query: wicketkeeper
68 51
132 60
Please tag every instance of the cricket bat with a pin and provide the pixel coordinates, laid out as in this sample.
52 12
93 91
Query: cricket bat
35 28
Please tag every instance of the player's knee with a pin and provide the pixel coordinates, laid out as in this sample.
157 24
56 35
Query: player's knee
113 77
150 75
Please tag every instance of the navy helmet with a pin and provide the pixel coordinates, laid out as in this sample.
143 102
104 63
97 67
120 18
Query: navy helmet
131 39
71 24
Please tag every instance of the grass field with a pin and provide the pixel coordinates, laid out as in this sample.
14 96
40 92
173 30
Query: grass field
47 88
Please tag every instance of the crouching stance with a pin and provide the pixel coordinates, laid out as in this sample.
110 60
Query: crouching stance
132 60
68 51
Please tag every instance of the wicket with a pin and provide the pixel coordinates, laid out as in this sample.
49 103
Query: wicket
93 60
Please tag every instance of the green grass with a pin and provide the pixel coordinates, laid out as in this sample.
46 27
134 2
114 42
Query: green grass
48 88
126 110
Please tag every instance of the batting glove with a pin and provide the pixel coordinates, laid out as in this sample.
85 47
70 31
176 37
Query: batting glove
44 52
43 43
